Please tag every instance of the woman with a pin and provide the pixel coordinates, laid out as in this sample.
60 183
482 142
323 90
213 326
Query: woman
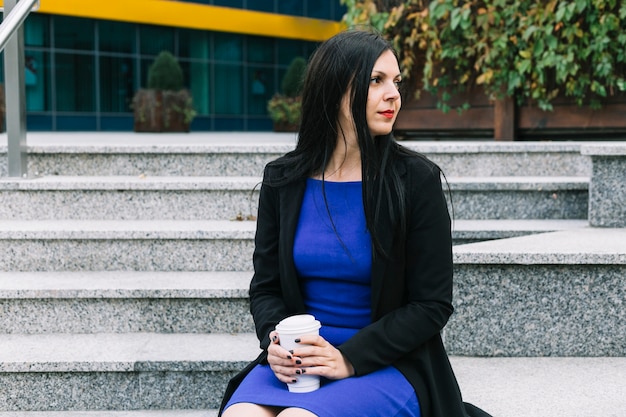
353 229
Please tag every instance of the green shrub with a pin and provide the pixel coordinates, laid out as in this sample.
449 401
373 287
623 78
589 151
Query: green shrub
165 73
532 50
292 81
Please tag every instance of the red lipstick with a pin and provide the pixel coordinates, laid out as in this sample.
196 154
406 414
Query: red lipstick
387 113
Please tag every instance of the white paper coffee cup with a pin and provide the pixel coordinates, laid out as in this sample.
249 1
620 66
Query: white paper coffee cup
289 330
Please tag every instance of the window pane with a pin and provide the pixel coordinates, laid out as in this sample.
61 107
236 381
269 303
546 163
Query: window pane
260 50
116 84
37 80
319 9
229 3
309 48
144 68
194 44
198 78
261 5
288 50
228 93
291 7
37 30
116 37
154 39
75 83
228 47
339 11
73 33
260 89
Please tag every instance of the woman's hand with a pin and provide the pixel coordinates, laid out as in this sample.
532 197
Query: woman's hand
319 358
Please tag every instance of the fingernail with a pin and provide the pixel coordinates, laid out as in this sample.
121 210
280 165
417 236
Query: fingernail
288 356
294 380
298 361
291 351
297 340
298 371
303 370
274 338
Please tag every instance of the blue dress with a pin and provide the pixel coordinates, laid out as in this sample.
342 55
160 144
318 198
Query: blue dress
333 258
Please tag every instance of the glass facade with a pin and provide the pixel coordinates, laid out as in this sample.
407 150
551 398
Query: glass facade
81 74
317 9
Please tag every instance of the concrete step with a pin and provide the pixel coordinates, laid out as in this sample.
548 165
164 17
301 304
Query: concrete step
135 413
222 198
245 153
122 302
149 375
164 245
471 231
132 371
551 294
130 154
518 197
498 159
87 301
128 198
168 245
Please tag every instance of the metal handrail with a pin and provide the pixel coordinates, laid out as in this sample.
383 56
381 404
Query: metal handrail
15 19
12 43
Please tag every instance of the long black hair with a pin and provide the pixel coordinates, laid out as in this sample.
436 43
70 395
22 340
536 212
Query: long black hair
343 64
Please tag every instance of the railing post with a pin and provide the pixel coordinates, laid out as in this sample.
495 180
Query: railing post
15 93
504 119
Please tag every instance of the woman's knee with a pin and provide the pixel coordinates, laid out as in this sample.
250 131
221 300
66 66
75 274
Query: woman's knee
250 410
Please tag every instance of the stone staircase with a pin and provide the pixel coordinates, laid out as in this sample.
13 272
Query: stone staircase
125 262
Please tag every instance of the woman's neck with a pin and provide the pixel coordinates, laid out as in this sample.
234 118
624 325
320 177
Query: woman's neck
345 163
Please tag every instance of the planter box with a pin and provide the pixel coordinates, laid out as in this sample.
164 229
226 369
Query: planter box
160 111
285 127
503 120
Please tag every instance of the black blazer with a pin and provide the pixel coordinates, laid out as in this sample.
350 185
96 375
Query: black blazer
411 291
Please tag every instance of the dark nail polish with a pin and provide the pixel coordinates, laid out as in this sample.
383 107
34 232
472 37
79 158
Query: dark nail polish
303 370
298 371
288 356
294 380
297 340
291 351
274 338
298 362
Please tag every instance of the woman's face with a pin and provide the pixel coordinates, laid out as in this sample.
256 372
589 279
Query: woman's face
383 97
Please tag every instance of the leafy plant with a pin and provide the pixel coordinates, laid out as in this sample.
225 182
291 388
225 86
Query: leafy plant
165 105
179 102
286 107
165 73
533 50
367 13
292 81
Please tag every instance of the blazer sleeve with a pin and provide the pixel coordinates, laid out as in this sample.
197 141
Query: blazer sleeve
416 299
266 296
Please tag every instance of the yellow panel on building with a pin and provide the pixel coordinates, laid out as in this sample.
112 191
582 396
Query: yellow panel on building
196 16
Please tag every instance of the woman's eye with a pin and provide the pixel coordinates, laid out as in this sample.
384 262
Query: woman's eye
398 83
375 80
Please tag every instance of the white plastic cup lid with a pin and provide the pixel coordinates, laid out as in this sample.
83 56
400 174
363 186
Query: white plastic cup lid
301 323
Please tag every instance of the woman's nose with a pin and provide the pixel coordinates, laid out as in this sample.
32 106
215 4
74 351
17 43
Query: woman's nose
391 92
